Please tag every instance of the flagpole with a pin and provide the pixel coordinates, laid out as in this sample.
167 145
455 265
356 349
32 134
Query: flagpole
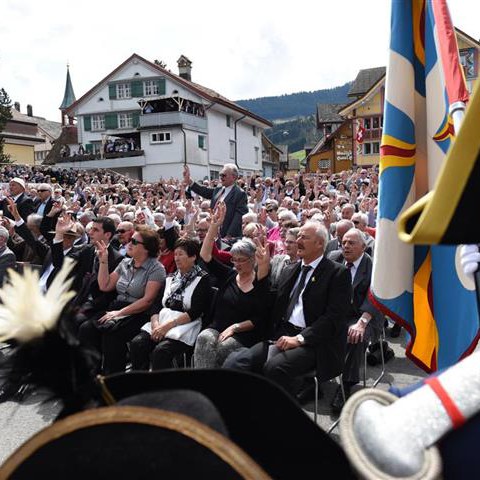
457 112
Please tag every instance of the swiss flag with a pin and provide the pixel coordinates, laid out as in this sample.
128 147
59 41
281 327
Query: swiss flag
360 134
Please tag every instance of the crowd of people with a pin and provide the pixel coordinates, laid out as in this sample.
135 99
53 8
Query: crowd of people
265 274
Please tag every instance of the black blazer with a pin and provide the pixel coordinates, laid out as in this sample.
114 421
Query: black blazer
236 203
48 223
326 300
24 204
361 285
85 272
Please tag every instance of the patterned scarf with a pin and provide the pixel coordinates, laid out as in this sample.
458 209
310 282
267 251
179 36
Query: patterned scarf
179 284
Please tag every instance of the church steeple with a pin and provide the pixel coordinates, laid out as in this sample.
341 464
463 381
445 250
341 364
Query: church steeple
68 97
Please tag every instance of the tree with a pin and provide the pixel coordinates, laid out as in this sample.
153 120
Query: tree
5 115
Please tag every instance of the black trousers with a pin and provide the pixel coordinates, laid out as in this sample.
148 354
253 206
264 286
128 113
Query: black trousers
285 368
143 351
111 343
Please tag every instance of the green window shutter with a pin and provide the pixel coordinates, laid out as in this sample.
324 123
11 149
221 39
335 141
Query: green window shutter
137 88
87 123
112 91
201 141
111 121
135 119
89 148
161 86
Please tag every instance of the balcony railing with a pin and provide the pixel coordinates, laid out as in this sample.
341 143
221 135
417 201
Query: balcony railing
373 134
172 118
96 156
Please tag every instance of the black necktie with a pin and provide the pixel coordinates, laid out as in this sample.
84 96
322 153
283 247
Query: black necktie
296 293
349 265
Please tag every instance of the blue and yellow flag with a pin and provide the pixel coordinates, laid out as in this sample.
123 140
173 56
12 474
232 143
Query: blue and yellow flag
421 287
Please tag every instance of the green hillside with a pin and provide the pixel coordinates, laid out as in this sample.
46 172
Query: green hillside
294 105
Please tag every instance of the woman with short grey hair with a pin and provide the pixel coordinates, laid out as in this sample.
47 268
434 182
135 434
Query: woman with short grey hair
238 318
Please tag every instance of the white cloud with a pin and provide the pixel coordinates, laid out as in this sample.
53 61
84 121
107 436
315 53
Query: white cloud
246 50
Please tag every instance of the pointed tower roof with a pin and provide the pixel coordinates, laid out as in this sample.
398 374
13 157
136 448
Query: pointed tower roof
69 96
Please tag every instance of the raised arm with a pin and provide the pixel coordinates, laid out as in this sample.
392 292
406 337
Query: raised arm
212 234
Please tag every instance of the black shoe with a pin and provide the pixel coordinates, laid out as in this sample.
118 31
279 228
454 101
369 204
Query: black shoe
8 391
337 402
395 331
307 394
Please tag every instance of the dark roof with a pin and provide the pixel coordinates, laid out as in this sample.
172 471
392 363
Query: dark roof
205 92
365 80
327 112
69 95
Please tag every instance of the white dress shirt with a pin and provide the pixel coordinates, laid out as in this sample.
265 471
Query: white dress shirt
297 318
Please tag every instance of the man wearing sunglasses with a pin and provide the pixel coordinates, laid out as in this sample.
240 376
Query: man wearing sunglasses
124 233
229 192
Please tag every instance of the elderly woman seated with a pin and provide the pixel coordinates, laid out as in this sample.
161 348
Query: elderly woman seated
239 313
173 329
137 280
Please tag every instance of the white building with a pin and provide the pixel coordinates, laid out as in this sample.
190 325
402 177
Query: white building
171 120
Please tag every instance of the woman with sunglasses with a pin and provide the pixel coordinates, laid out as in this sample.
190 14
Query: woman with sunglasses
137 280
239 314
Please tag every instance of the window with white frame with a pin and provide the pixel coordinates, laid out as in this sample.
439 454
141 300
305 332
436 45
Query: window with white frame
124 90
125 120
150 87
257 154
371 148
232 150
254 130
229 121
161 137
98 122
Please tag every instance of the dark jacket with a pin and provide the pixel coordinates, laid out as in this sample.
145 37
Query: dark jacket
236 203
24 204
326 299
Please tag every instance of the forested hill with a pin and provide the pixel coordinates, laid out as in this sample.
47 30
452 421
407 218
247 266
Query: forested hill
300 104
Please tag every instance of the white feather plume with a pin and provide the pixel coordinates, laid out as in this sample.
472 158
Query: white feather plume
26 313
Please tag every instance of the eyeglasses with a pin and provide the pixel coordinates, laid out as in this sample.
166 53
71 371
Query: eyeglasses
222 175
136 242
42 190
120 230
356 222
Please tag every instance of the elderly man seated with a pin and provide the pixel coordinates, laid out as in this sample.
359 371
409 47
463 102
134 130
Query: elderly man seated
364 320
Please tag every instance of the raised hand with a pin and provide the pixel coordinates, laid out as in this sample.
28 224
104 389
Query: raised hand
186 175
102 251
12 208
64 224
219 213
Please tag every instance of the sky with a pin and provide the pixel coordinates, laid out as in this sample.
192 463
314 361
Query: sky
247 49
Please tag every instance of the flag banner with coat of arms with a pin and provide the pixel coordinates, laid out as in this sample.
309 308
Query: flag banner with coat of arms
421 287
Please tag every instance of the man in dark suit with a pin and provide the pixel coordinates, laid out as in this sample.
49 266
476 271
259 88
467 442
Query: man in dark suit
364 320
22 200
341 227
43 206
89 298
309 317
230 193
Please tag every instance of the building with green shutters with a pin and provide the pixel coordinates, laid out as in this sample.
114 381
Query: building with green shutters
146 121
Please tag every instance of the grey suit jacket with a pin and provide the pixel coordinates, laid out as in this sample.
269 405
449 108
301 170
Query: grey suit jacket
236 203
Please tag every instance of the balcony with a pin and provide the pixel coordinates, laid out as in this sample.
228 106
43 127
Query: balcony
88 157
163 119
373 134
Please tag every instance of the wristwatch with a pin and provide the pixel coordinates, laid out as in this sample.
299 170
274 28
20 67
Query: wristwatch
300 339
235 327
